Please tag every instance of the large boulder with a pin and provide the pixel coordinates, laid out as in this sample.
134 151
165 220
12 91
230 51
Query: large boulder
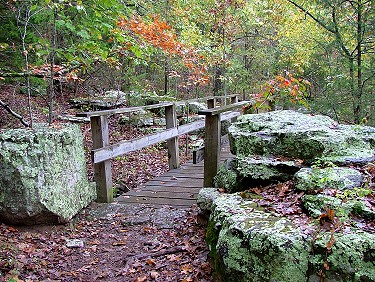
309 213
342 178
251 244
43 176
301 136
110 99
240 173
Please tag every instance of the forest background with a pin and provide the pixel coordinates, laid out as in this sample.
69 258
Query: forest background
315 55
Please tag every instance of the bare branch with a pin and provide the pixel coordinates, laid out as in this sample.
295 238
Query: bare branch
321 23
13 113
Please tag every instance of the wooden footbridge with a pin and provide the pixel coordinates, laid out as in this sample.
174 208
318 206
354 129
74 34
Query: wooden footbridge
181 184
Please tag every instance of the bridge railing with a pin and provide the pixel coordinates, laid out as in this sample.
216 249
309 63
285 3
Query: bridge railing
102 152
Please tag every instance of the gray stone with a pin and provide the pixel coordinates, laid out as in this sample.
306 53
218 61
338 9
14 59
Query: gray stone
110 99
43 175
240 173
342 178
317 205
252 243
74 243
296 135
139 118
249 244
194 108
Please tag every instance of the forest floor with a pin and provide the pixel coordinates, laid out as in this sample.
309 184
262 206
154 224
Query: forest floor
107 242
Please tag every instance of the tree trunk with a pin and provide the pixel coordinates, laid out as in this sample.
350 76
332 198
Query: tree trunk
358 93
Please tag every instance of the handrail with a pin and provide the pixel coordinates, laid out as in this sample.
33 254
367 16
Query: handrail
123 147
223 109
123 110
148 107
102 152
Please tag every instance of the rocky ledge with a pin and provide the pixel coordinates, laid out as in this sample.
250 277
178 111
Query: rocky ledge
297 203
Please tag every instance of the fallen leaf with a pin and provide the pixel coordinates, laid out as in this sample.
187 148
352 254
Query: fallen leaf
140 278
12 229
256 191
328 216
119 243
154 274
150 261
186 268
173 257
330 243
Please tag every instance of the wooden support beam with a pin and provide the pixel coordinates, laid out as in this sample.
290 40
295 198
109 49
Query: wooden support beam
102 170
198 155
211 103
212 148
234 100
123 147
122 110
171 122
223 109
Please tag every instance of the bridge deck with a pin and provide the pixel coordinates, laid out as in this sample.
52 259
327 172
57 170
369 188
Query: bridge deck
177 187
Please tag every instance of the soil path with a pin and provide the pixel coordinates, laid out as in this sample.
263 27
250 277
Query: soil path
109 242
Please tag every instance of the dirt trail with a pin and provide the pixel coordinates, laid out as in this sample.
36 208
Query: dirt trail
109 242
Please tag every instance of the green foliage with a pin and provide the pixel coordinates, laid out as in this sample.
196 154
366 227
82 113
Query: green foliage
354 194
245 44
283 91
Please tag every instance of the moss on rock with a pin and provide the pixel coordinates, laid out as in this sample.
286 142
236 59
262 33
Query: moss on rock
308 179
249 244
42 175
297 135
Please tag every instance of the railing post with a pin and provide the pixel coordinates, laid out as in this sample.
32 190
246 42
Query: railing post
211 148
171 121
211 103
233 100
102 170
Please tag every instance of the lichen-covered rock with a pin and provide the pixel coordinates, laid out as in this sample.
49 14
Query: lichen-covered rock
250 244
317 205
342 178
194 108
240 173
296 135
111 98
139 118
42 175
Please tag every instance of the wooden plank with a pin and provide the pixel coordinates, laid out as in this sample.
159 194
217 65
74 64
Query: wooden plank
103 170
196 170
173 151
168 189
188 183
178 187
121 110
121 148
161 194
227 108
211 103
212 148
157 201
198 155
148 107
124 147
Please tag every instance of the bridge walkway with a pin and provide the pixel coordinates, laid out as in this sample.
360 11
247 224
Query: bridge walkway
177 188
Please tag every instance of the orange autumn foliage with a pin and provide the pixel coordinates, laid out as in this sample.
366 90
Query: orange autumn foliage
159 34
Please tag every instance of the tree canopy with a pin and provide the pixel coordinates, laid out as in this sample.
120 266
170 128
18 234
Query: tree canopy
183 49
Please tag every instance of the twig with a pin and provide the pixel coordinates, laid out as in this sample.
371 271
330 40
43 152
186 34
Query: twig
9 110
170 251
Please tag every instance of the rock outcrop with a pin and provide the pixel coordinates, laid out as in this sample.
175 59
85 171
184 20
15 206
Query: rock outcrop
43 175
318 225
